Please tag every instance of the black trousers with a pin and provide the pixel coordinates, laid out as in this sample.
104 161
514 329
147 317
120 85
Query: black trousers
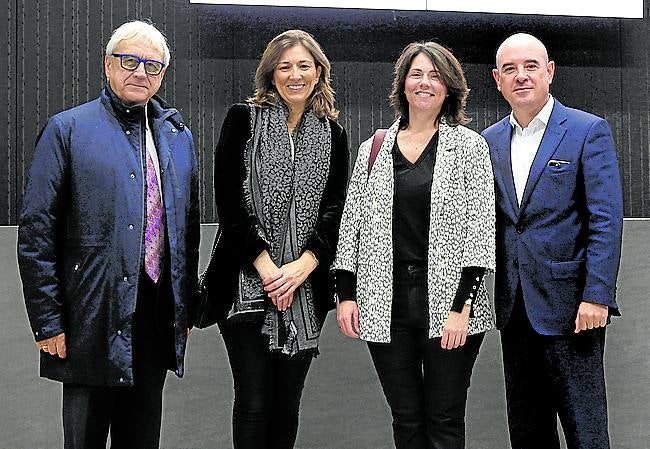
425 385
551 376
131 414
268 388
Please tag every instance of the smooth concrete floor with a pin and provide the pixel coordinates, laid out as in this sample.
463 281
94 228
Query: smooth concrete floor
343 406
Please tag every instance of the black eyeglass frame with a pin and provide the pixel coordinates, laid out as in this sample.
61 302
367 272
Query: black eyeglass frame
140 60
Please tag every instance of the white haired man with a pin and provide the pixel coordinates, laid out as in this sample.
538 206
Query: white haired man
108 248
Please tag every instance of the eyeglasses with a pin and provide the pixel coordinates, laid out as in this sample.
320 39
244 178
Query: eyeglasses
132 62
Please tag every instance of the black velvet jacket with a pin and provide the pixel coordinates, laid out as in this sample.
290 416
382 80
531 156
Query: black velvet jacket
240 243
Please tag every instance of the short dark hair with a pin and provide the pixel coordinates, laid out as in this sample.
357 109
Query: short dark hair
451 72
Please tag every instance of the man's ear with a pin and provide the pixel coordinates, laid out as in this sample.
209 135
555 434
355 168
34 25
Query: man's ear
495 75
550 69
107 64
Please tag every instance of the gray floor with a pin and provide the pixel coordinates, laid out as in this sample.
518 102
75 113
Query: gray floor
343 407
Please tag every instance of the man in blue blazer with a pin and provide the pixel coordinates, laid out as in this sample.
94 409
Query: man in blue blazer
559 225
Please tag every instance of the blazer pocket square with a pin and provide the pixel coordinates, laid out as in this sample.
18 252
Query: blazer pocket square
558 163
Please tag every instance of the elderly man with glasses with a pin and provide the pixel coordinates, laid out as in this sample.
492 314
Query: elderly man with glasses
108 248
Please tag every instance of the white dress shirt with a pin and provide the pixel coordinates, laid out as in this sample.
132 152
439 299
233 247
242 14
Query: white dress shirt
524 144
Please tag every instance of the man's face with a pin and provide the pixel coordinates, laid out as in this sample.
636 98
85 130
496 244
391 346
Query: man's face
136 86
524 76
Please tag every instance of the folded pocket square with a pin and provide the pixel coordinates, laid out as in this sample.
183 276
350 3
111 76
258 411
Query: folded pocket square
557 163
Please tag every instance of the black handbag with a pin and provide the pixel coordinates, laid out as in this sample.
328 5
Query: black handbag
208 310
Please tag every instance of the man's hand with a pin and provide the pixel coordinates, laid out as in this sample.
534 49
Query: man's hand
53 345
590 316
347 315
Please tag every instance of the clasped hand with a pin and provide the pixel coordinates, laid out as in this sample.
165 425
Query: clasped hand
280 283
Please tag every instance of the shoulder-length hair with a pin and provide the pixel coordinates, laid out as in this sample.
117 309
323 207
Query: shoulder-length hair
451 72
321 100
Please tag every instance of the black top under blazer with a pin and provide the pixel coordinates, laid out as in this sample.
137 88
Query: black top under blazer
240 243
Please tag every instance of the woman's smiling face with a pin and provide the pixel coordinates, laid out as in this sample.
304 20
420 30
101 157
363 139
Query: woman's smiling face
424 88
295 76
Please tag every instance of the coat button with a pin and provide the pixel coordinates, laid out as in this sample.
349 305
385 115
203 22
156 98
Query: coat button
76 267
119 332
130 226
128 111
121 380
126 279
132 175
173 130
128 133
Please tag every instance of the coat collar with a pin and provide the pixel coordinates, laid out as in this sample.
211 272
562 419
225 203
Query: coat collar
157 108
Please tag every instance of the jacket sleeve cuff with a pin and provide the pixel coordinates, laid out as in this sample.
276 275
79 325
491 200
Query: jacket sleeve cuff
600 295
470 280
346 285
48 330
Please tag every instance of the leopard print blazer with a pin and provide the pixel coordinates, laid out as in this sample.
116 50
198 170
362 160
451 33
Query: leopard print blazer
461 230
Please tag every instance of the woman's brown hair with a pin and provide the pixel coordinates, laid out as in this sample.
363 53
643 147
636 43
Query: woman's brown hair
321 100
451 72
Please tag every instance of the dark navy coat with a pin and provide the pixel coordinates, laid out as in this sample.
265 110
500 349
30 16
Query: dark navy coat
80 236
562 245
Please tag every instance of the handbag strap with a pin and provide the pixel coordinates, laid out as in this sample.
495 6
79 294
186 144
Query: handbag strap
377 140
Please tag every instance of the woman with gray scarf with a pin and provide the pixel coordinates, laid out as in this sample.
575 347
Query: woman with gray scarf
280 180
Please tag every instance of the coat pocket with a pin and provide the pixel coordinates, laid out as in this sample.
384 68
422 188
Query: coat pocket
568 269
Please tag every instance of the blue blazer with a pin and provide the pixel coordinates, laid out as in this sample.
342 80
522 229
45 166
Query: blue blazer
563 243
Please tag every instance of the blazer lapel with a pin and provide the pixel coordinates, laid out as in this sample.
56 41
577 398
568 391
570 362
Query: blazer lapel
553 135
504 172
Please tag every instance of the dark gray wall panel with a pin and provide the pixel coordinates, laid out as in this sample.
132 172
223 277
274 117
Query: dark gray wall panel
54 61
8 123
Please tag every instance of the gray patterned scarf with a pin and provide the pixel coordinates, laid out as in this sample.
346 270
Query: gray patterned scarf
284 188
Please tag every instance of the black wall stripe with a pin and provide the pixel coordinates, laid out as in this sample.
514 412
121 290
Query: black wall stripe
54 51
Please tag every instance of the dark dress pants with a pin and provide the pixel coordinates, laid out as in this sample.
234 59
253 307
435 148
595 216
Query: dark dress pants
551 376
268 388
425 385
133 413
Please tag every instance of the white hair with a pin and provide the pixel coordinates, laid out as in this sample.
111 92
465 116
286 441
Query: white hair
141 31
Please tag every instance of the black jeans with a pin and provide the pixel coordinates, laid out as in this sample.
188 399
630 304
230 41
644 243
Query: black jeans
425 385
268 388
554 376
133 414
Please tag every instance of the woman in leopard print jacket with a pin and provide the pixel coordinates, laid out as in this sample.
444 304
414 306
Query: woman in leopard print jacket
416 238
